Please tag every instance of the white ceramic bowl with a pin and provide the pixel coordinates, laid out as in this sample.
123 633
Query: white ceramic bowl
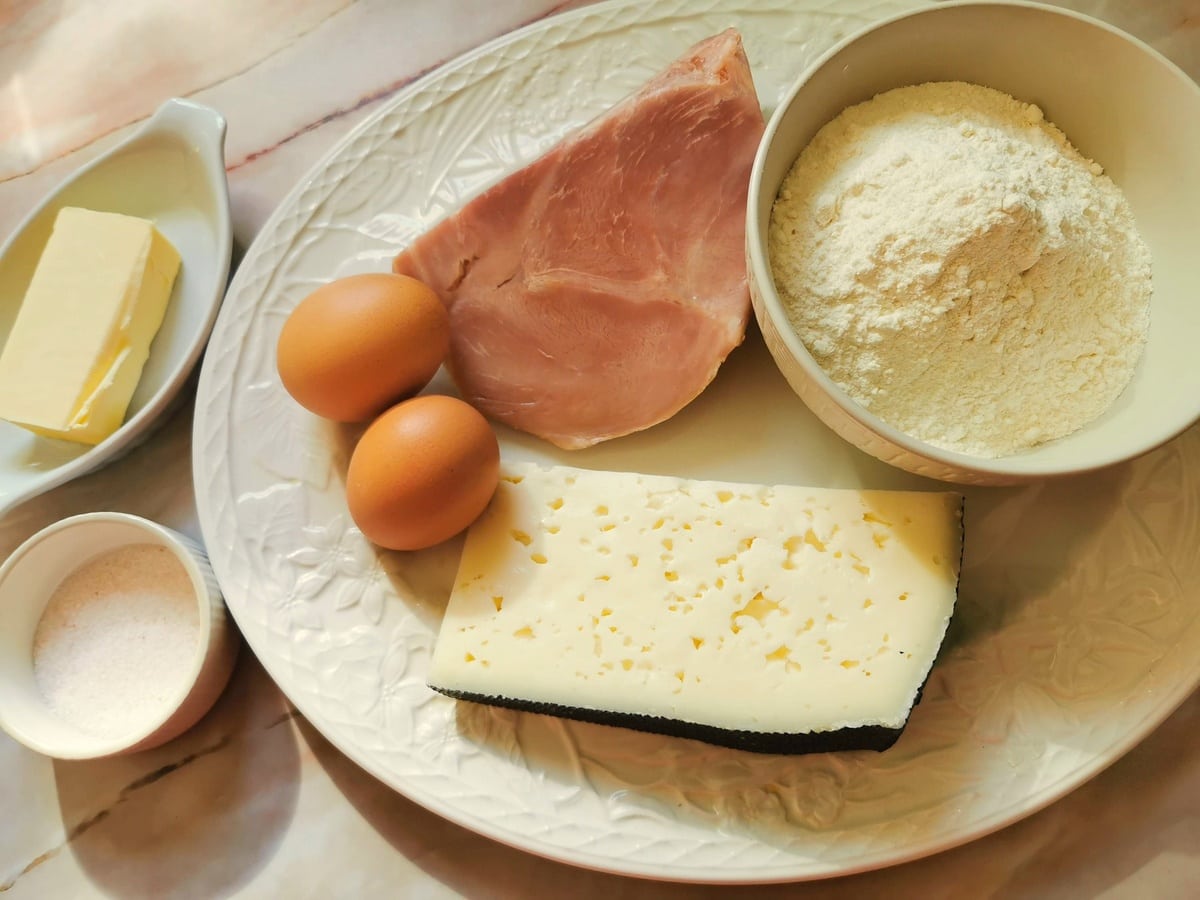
171 170
28 579
1120 103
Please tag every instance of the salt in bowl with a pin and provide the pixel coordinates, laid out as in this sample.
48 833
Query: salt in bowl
29 579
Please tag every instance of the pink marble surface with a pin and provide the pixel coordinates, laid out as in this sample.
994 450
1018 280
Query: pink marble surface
253 802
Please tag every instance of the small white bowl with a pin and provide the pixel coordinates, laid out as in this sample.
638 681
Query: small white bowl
1120 103
28 579
171 170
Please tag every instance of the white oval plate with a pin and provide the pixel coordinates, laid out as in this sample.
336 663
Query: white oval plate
1078 627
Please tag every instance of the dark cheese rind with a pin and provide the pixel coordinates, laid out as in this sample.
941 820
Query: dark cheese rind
864 737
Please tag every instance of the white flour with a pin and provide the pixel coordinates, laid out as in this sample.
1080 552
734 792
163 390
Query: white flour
960 269
117 640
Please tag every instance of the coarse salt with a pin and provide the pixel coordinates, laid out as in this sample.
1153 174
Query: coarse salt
117 640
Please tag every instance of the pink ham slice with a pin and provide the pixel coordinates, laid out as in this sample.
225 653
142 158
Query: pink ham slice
596 292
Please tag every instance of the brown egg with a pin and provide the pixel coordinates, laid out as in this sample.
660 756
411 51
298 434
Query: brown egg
355 346
422 472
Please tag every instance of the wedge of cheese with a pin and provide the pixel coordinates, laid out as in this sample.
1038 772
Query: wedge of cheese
775 619
83 333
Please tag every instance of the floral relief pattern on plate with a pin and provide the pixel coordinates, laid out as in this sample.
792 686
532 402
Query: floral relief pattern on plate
1077 628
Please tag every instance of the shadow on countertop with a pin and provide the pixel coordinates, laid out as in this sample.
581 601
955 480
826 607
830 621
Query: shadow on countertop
198 817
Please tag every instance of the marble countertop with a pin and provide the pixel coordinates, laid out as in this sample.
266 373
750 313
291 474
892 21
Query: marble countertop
254 802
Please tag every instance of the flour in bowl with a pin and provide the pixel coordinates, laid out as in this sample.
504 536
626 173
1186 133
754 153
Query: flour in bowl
960 269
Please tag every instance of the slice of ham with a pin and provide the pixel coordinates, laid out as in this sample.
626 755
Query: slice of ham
596 292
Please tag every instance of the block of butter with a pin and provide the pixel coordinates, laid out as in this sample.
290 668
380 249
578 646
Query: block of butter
83 332
775 619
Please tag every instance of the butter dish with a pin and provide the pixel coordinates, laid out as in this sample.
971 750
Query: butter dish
171 171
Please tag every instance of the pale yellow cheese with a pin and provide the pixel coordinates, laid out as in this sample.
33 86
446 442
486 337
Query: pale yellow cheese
83 333
742 607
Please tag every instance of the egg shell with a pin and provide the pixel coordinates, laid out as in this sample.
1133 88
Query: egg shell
355 346
422 472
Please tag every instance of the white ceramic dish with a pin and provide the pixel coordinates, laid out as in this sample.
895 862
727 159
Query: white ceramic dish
27 581
171 170
1093 82
1078 626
